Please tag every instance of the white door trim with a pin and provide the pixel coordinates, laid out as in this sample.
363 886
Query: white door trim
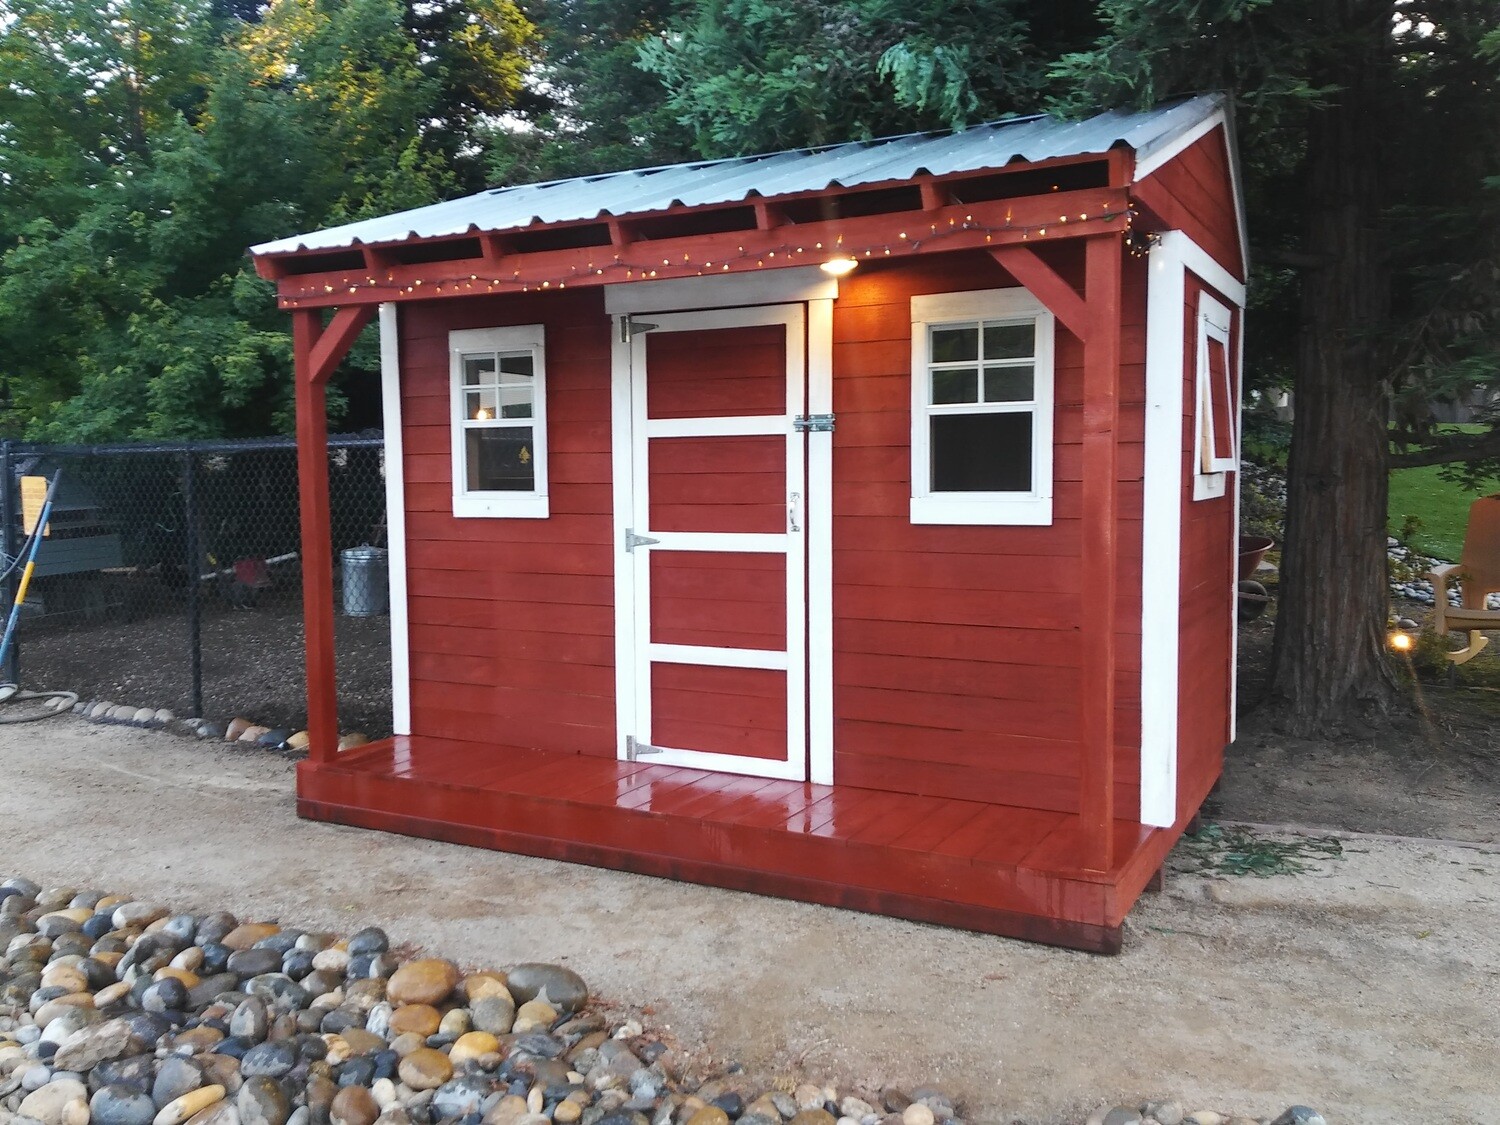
633 575
819 509
772 286
395 517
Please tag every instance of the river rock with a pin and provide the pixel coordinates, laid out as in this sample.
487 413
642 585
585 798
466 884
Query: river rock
426 981
472 1047
1300 1115
461 1096
250 1019
269 1060
121 1105
244 936
420 1018
561 987
254 961
495 1013
425 1069
262 1101
814 1117
89 1046
1119 1115
189 1105
354 1105
57 1103
709 1115
177 1076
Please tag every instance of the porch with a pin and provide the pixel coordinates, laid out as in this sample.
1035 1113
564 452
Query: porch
995 868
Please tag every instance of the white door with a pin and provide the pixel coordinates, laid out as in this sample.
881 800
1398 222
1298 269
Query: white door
715 547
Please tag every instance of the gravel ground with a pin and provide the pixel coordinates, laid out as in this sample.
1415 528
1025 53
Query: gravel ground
1356 988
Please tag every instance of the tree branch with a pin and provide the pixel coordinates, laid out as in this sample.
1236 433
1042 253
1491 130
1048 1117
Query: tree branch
1445 450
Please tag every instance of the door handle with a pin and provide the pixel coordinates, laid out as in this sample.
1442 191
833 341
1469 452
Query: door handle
793 511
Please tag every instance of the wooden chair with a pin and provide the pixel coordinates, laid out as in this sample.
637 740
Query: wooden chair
1478 574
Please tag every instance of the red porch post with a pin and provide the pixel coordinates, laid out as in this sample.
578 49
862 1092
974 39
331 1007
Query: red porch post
1101 415
1094 317
317 351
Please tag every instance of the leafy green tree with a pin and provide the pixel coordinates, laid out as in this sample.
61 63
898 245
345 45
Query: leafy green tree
757 75
589 107
1370 134
146 143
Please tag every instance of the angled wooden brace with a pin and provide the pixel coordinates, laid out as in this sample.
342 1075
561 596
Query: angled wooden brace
333 342
1061 299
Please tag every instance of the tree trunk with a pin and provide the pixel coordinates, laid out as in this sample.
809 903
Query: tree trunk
1329 667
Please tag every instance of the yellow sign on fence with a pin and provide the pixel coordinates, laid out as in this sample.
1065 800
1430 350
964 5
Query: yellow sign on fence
33 496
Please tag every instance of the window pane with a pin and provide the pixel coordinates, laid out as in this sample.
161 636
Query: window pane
499 458
959 385
517 363
1008 384
1009 341
478 369
480 406
981 452
515 402
954 345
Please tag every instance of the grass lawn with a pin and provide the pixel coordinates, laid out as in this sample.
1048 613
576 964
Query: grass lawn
1441 507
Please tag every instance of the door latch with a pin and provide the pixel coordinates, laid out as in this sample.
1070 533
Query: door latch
632 540
813 423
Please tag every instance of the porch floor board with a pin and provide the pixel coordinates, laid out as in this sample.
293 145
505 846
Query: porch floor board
995 868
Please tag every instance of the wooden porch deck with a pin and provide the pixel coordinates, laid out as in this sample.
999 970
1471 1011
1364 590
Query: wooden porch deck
994 868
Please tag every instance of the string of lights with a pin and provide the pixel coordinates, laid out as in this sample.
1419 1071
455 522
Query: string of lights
828 254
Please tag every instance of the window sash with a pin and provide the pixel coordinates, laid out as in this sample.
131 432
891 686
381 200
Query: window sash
495 349
1216 422
997 309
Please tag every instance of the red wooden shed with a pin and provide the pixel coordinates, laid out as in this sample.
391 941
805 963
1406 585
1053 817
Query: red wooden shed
855 525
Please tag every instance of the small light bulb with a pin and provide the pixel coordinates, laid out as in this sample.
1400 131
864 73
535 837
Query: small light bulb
1401 642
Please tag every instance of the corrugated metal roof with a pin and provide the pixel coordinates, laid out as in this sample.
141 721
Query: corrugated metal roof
704 183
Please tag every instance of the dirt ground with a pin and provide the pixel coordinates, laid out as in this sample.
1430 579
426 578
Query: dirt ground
252 661
1435 773
1357 987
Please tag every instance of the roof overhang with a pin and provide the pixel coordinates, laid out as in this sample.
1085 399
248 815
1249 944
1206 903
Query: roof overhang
892 198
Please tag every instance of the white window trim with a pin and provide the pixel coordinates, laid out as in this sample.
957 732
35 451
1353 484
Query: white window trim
1029 508
1214 322
497 504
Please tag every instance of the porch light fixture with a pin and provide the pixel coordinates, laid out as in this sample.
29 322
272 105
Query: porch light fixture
839 267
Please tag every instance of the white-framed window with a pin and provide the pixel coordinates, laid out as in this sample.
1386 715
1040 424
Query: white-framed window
981 408
1217 405
499 392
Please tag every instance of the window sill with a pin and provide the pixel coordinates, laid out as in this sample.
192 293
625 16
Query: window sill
527 506
1026 511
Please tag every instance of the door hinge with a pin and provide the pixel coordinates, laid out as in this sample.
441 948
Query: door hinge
813 423
631 328
632 540
635 749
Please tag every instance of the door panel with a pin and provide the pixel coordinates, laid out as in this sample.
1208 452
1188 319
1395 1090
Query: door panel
718 483
720 611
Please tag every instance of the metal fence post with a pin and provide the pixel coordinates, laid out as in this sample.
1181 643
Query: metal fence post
12 670
194 570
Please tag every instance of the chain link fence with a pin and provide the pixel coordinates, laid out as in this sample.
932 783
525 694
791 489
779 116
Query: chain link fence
172 577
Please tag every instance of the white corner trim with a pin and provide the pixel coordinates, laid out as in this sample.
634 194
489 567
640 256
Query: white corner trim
395 518
1220 119
765 287
1161 529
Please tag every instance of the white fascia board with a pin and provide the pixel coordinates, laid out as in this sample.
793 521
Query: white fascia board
765 287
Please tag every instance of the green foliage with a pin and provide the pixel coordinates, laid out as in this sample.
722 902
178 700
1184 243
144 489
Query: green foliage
759 75
1438 503
1237 850
146 143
